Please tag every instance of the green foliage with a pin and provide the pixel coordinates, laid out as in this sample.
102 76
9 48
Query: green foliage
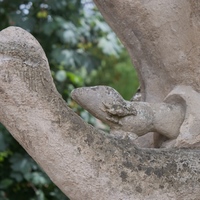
82 50
118 74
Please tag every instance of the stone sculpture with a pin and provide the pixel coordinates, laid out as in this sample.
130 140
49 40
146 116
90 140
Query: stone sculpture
163 39
168 77
133 118
177 117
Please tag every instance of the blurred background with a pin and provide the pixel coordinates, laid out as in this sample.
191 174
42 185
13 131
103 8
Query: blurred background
82 51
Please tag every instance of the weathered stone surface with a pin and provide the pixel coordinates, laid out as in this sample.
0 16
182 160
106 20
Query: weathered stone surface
129 117
83 162
190 129
163 40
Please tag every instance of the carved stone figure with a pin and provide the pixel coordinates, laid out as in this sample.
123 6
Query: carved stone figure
132 118
168 76
163 40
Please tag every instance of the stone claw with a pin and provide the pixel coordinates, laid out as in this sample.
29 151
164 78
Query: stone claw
113 119
119 109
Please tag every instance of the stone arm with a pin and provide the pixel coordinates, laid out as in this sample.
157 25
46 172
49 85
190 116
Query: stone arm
83 162
129 117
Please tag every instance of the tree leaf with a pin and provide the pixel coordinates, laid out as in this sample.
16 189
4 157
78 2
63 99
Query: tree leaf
5 183
61 76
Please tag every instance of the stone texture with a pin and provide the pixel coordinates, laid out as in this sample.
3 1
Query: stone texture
162 38
163 42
